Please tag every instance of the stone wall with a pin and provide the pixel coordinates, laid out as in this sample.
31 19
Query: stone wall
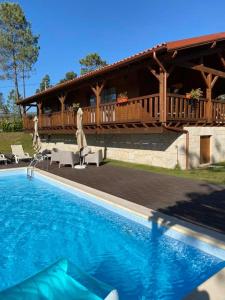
164 150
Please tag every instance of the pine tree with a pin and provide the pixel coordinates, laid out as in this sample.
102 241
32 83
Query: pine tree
18 46
91 62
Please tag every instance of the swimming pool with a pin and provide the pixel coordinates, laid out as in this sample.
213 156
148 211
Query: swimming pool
42 222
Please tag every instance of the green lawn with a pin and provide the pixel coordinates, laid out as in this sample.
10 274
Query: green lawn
212 174
9 138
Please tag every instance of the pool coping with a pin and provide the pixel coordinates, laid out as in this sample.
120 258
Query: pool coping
213 285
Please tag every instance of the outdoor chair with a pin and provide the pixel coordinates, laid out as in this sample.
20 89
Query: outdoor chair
55 155
95 158
19 154
68 158
3 159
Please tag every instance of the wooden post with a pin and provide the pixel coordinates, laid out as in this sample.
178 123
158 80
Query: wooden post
97 90
39 104
210 82
163 95
24 110
209 97
62 99
162 78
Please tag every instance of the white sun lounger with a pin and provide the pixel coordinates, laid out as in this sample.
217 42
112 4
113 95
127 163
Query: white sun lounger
19 154
3 159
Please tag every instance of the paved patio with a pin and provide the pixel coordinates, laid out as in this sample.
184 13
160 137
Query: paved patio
194 201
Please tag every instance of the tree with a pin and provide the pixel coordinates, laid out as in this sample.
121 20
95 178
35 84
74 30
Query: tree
68 76
45 84
3 106
18 46
11 105
91 62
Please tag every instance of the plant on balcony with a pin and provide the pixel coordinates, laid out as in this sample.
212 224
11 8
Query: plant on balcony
195 94
75 106
122 97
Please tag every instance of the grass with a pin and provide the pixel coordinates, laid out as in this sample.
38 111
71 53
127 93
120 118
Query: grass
211 174
9 138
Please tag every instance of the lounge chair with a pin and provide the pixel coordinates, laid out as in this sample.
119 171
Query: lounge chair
3 159
95 158
55 155
68 158
19 154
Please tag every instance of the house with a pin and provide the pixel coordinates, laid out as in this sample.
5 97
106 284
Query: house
158 124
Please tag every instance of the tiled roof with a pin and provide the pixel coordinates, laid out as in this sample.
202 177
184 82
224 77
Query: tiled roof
185 43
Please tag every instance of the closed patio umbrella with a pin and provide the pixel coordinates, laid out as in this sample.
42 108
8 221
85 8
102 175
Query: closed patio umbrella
36 138
81 139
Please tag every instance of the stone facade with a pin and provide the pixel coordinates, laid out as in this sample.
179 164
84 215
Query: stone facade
164 150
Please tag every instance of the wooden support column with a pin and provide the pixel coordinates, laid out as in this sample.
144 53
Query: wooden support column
210 82
162 78
39 105
62 99
97 90
24 110
209 97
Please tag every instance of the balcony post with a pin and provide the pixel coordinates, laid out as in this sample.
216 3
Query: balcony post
39 104
210 82
97 90
62 99
163 95
209 97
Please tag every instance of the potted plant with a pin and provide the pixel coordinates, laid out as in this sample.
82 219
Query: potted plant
122 97
194 95
75 106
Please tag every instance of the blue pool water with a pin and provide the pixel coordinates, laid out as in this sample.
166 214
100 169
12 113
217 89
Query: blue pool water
40 223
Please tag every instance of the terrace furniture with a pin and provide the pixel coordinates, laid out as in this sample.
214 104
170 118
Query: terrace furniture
3 159
19 154
95 158
68 158
55 155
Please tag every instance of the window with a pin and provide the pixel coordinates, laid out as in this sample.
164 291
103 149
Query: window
92 101
108 95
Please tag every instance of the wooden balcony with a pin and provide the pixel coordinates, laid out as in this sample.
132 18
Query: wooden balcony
140 114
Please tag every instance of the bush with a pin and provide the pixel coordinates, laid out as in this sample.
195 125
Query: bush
11 126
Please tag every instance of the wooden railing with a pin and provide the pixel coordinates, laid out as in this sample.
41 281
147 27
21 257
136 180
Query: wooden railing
89 115
144 109
218 111
141 109
69 118
181 108
28 122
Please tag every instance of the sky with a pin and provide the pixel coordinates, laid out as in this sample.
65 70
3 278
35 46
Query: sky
71 29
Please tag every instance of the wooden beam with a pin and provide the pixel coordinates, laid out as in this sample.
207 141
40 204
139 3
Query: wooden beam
153 71
214 81
202 68
213 45
174 54
205 78
222 59
196 55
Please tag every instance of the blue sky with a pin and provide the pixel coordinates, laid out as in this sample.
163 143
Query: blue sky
115 29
